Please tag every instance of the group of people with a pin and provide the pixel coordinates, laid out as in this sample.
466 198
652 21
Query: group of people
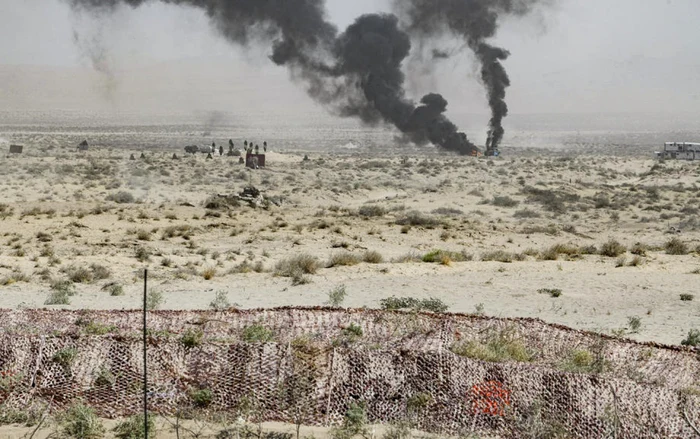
247 146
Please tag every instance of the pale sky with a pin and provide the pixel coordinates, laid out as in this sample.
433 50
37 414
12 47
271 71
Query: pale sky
578 56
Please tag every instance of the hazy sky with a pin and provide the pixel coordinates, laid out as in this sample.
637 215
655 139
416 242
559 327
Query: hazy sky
578 56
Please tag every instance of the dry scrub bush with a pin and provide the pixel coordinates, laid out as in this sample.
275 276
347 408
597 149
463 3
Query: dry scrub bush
300 264
341 259
416 218
446 257
371 210
504 202
498 255
676 247
612 249
372 257
209 273
121 197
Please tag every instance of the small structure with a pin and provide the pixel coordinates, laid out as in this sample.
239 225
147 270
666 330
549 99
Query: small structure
254 161
131 157
175 157
83 146
16 149
679 151
209 157
143 156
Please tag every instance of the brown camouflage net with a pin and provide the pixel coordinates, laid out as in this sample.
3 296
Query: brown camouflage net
401 367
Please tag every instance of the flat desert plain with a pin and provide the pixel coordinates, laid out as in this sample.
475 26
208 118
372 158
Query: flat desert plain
608 244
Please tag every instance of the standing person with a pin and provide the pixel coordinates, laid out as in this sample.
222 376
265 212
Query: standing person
257 149
221 150
265 146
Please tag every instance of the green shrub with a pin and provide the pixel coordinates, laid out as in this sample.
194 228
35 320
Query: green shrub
96 328
257 334
60 293
220 302
583 361
353 330
554 292
115 289
80 421
634 323
693 338
498 348
336 296
202 398
65 356
132 428
419 401
105 377
396 303
154 299
192 338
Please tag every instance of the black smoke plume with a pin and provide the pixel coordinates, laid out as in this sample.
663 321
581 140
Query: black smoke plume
474 21
358 73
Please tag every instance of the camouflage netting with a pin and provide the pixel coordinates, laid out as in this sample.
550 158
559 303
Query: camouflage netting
317 362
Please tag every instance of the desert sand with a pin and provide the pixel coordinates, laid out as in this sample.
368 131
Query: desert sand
618 236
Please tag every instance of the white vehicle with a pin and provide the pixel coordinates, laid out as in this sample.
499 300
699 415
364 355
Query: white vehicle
680 151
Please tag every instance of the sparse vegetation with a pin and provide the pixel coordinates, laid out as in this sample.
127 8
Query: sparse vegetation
257 334
80 421
497 348
132 428
431 304
202 398
192 338
554 292
65 356
154 300
687 297
612 249
693 338
676 247
342 259
121 197
220 302
336 296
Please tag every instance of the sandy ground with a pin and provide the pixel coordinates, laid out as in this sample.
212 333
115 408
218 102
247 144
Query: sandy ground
57 218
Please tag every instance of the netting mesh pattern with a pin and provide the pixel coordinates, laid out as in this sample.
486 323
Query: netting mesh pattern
315 363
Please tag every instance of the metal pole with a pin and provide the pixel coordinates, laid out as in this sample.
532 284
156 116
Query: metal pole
145 369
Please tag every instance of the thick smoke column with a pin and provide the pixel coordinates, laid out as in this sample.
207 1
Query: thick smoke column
369 57
358 73
474 21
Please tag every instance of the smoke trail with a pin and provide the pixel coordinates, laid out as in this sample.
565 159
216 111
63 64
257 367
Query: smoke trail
94 48
474 21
